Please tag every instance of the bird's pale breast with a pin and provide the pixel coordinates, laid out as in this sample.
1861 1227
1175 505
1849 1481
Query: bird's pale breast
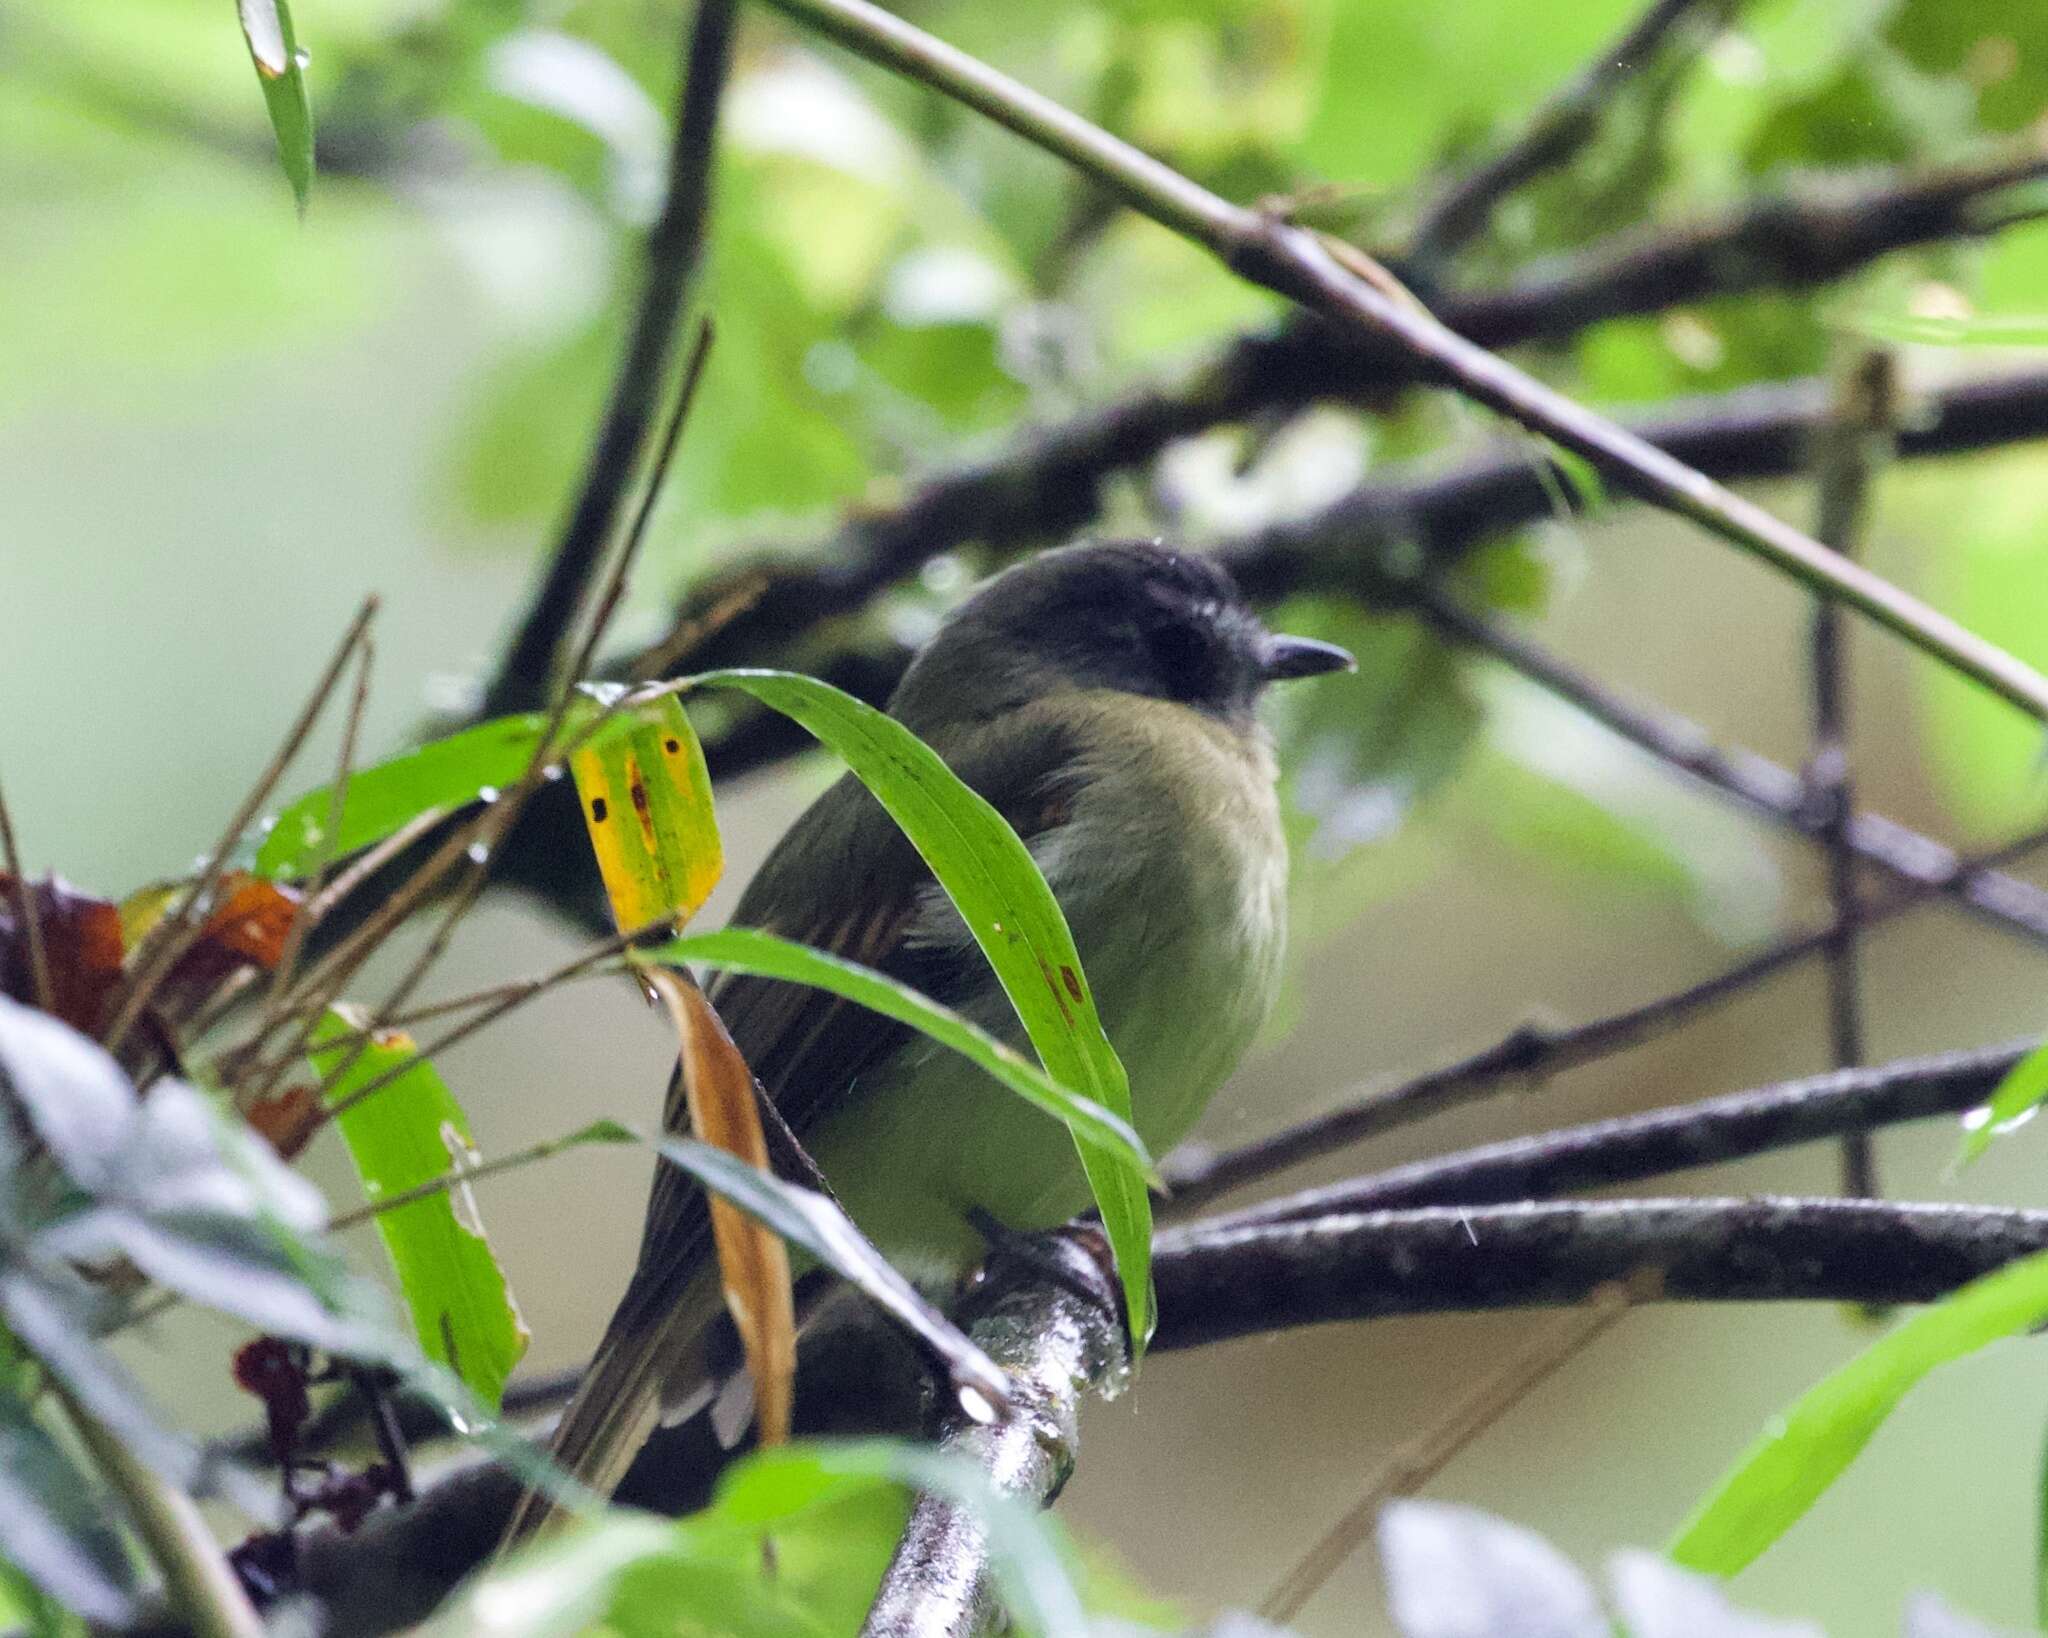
1171 868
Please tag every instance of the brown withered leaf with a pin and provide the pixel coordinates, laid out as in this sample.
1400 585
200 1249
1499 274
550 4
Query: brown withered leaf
752 1260
248 927
81 938
287 1120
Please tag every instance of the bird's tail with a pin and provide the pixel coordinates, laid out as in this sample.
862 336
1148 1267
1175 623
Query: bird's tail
646 1364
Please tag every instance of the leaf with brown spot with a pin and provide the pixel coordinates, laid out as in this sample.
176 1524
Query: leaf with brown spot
661 864
752 1260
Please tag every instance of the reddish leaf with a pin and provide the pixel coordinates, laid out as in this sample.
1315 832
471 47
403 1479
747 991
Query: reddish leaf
247 929
287 1120
81 938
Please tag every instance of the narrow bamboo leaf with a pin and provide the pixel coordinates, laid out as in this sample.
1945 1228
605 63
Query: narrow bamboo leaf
53 1527
2041 1539
753 1263
384 798
764 955
806 1218
995 883
2014 1101
281 71
1806 1449
646 800
412 1132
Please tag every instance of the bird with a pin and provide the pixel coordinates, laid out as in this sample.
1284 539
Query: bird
1102 697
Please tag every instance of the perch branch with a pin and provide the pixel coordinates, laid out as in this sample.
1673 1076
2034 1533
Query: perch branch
1057 1346
1218 1283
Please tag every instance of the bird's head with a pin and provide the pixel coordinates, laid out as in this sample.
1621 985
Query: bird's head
1131 616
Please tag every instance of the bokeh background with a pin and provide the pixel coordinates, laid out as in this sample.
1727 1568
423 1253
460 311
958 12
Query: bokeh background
221 425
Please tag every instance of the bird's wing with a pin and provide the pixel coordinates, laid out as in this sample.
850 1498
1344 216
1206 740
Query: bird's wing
844 879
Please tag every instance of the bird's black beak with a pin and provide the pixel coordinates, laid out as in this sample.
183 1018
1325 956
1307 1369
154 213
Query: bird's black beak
1285 658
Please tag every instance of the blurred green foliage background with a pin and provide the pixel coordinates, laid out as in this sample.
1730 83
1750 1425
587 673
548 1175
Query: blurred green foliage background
220 424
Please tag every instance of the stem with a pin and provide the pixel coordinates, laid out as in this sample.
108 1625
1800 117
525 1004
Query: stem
201 1584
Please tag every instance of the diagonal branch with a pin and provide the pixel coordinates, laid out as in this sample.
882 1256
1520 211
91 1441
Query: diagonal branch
1340 283
1047 482
1217 1282
674 248
1757 783
1557 131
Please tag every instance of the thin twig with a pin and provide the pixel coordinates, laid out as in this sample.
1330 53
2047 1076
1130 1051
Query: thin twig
1655 1144
170 1525
674 249
1848 453
544 1150
1758 783
304 913
1555 133
1527 1054
27 913
1422 1458
174 932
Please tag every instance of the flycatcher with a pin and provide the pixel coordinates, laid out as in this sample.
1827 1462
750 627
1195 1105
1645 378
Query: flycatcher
1102 698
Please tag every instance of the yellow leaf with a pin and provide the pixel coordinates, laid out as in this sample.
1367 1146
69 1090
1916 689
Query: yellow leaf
646 800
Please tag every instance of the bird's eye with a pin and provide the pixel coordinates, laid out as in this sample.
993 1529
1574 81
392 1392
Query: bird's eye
1184 655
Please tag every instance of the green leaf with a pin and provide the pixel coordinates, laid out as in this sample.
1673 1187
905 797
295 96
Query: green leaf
995 884
383 799
281 71
412 1131
808 1219
765 955
2012 1104
1806 1449
53 1527
1996 330
833 1512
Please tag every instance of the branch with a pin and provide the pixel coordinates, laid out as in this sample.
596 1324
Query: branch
1341 284
1555 133
1218 1282
1046 483
1224 1282
1631 1148
1058 1340
674 247
1196 1174
1758 783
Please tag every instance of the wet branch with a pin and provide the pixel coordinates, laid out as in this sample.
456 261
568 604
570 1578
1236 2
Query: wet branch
1223 1282
1631 1148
